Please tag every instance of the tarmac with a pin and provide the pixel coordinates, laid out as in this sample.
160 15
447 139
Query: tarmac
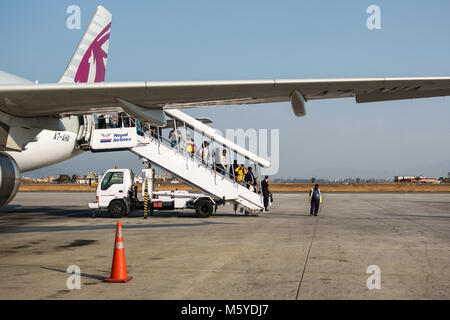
282 254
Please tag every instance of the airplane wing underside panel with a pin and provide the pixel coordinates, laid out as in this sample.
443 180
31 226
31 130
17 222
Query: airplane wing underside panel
34 100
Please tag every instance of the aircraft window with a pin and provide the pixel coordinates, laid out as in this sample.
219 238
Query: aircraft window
112 178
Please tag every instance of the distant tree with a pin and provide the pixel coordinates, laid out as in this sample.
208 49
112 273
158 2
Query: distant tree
74 178
63 178
313 180
358 180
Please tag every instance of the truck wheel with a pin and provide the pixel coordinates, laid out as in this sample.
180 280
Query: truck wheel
204 208
117 209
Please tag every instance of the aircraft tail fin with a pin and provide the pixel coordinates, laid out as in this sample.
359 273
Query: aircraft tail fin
88 64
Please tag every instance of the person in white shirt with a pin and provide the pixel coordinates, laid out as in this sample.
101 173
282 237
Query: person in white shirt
220 160
203 152
223 161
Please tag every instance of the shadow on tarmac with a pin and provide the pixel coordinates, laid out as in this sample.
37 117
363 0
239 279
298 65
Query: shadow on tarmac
26 229
90 276
18 213
103 214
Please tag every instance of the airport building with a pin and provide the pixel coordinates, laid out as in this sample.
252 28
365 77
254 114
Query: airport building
416 179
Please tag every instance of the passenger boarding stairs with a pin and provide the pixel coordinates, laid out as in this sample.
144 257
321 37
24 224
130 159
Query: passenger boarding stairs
190 169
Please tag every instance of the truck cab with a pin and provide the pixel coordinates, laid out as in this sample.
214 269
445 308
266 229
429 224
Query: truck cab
115 192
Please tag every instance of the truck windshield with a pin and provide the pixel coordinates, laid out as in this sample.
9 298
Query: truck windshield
112 178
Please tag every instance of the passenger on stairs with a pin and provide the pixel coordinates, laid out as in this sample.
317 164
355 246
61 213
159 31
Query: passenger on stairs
240 174
217 156
250 179
223 162
233 168
154 131
194 148
203 153
190 147
174 137
140 128
101 122
114 120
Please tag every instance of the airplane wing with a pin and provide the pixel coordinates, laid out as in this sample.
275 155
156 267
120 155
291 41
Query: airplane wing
36 100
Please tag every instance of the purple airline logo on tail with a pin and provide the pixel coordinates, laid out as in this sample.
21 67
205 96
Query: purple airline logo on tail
92 63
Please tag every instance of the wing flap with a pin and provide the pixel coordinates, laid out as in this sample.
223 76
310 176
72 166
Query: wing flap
402 95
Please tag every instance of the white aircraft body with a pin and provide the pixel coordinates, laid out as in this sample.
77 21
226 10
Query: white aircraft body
42 124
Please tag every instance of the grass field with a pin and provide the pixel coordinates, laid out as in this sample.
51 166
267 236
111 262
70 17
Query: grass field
274 187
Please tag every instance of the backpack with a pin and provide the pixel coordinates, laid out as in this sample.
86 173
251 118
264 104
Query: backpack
316 195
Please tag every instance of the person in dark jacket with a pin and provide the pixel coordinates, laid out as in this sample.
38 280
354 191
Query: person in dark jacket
101 121
233 168
316 199
250 178
265 192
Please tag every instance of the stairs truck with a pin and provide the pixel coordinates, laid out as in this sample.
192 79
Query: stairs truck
117 193
214 187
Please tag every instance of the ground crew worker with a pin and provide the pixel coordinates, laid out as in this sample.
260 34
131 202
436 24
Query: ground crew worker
315 196
265 192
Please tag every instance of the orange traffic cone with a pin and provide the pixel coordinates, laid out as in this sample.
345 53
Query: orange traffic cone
119 267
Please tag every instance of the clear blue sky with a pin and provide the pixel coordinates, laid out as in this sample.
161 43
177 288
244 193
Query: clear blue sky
234 40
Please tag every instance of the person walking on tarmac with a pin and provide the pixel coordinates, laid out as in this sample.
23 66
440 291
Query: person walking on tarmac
315 197
265 192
